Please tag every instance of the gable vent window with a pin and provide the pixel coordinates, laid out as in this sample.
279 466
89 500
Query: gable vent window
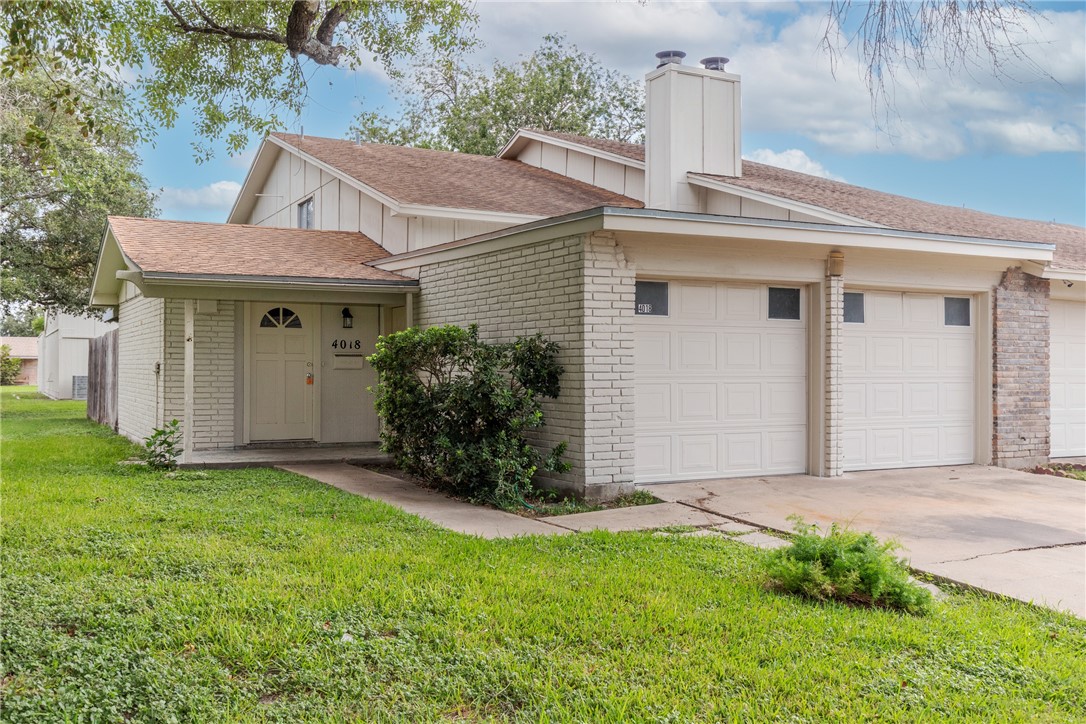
305 214
854 307
956 311
783 303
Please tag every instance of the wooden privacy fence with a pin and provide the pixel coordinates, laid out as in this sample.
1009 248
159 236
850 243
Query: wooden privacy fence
102 380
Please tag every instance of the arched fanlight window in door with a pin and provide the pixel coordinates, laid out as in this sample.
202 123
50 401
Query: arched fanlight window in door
281 317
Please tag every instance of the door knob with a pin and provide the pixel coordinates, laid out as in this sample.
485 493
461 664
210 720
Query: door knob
309 378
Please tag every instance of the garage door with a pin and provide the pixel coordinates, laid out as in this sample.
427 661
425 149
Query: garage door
1068 340
721 380
908 388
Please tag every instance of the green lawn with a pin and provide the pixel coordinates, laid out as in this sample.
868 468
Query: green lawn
259 595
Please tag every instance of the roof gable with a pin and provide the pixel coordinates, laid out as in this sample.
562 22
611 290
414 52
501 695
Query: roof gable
426 178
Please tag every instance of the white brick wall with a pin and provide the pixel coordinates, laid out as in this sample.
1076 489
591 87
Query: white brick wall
834 422
608 369
577 292
213 400
139 394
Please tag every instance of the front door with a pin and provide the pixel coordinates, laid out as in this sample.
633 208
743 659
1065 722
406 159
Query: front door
281 372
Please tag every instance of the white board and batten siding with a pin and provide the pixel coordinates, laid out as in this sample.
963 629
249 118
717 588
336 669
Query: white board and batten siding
610 175
720 388
1067 327
908 382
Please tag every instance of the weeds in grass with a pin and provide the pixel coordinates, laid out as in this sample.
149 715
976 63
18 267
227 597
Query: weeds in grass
258 595
846 565
162 447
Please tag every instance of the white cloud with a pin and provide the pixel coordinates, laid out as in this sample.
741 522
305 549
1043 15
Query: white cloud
792 159
789 86
1025 136
218 195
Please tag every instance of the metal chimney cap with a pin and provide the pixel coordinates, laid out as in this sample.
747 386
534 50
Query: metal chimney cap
716 62
670 56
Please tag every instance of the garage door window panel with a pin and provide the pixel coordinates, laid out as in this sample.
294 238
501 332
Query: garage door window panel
956 311
854 308
784 303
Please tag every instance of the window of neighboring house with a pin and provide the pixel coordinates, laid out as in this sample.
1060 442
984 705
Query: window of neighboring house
305 214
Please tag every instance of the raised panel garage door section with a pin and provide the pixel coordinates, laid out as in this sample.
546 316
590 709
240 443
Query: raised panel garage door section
908 387
1068 355
721 380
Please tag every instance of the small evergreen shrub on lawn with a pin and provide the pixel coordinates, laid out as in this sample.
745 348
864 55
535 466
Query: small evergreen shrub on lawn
848 566
456 409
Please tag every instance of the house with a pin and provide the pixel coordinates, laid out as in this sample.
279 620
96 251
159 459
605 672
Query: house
717 317
24 349
65 348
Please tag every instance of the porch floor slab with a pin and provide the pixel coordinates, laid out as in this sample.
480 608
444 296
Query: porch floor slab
365 453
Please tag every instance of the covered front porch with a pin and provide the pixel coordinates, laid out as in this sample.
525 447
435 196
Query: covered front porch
367 453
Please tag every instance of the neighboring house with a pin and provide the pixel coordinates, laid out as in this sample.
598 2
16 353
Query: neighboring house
64 346
24 349
716 317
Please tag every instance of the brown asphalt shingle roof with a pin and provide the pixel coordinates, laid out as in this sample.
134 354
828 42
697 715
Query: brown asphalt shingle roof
198 248
457 180
21 347
877 207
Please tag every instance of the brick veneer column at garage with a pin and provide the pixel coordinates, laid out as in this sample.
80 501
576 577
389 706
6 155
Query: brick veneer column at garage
609 289
834 420
1020 377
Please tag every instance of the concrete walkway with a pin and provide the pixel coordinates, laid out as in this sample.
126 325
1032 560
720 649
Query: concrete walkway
485 522
1005 531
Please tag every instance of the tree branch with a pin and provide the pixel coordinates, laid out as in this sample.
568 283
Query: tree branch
210 27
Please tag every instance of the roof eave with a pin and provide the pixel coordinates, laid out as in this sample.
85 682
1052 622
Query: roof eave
105 282
671 223
262 164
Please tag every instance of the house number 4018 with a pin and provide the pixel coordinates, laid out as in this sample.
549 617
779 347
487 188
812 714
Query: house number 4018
346 344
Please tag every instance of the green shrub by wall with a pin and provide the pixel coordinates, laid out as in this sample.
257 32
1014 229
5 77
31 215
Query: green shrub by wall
455 409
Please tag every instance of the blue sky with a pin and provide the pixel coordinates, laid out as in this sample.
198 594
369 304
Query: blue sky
1012 147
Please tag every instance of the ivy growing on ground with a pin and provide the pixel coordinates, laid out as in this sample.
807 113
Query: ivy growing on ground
457 409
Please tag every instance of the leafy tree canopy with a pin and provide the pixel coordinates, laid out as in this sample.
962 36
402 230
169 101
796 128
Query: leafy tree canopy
22 322
55 200
237 64
451 105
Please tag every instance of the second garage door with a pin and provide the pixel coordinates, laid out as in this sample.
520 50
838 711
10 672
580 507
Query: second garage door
1068 359
721 380
908 389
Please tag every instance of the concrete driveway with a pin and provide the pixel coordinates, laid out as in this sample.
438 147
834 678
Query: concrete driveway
1005 531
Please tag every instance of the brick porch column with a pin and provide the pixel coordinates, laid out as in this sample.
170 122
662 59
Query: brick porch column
608 369
1020 371
832 465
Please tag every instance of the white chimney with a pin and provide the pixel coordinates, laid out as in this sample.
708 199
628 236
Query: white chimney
692 125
